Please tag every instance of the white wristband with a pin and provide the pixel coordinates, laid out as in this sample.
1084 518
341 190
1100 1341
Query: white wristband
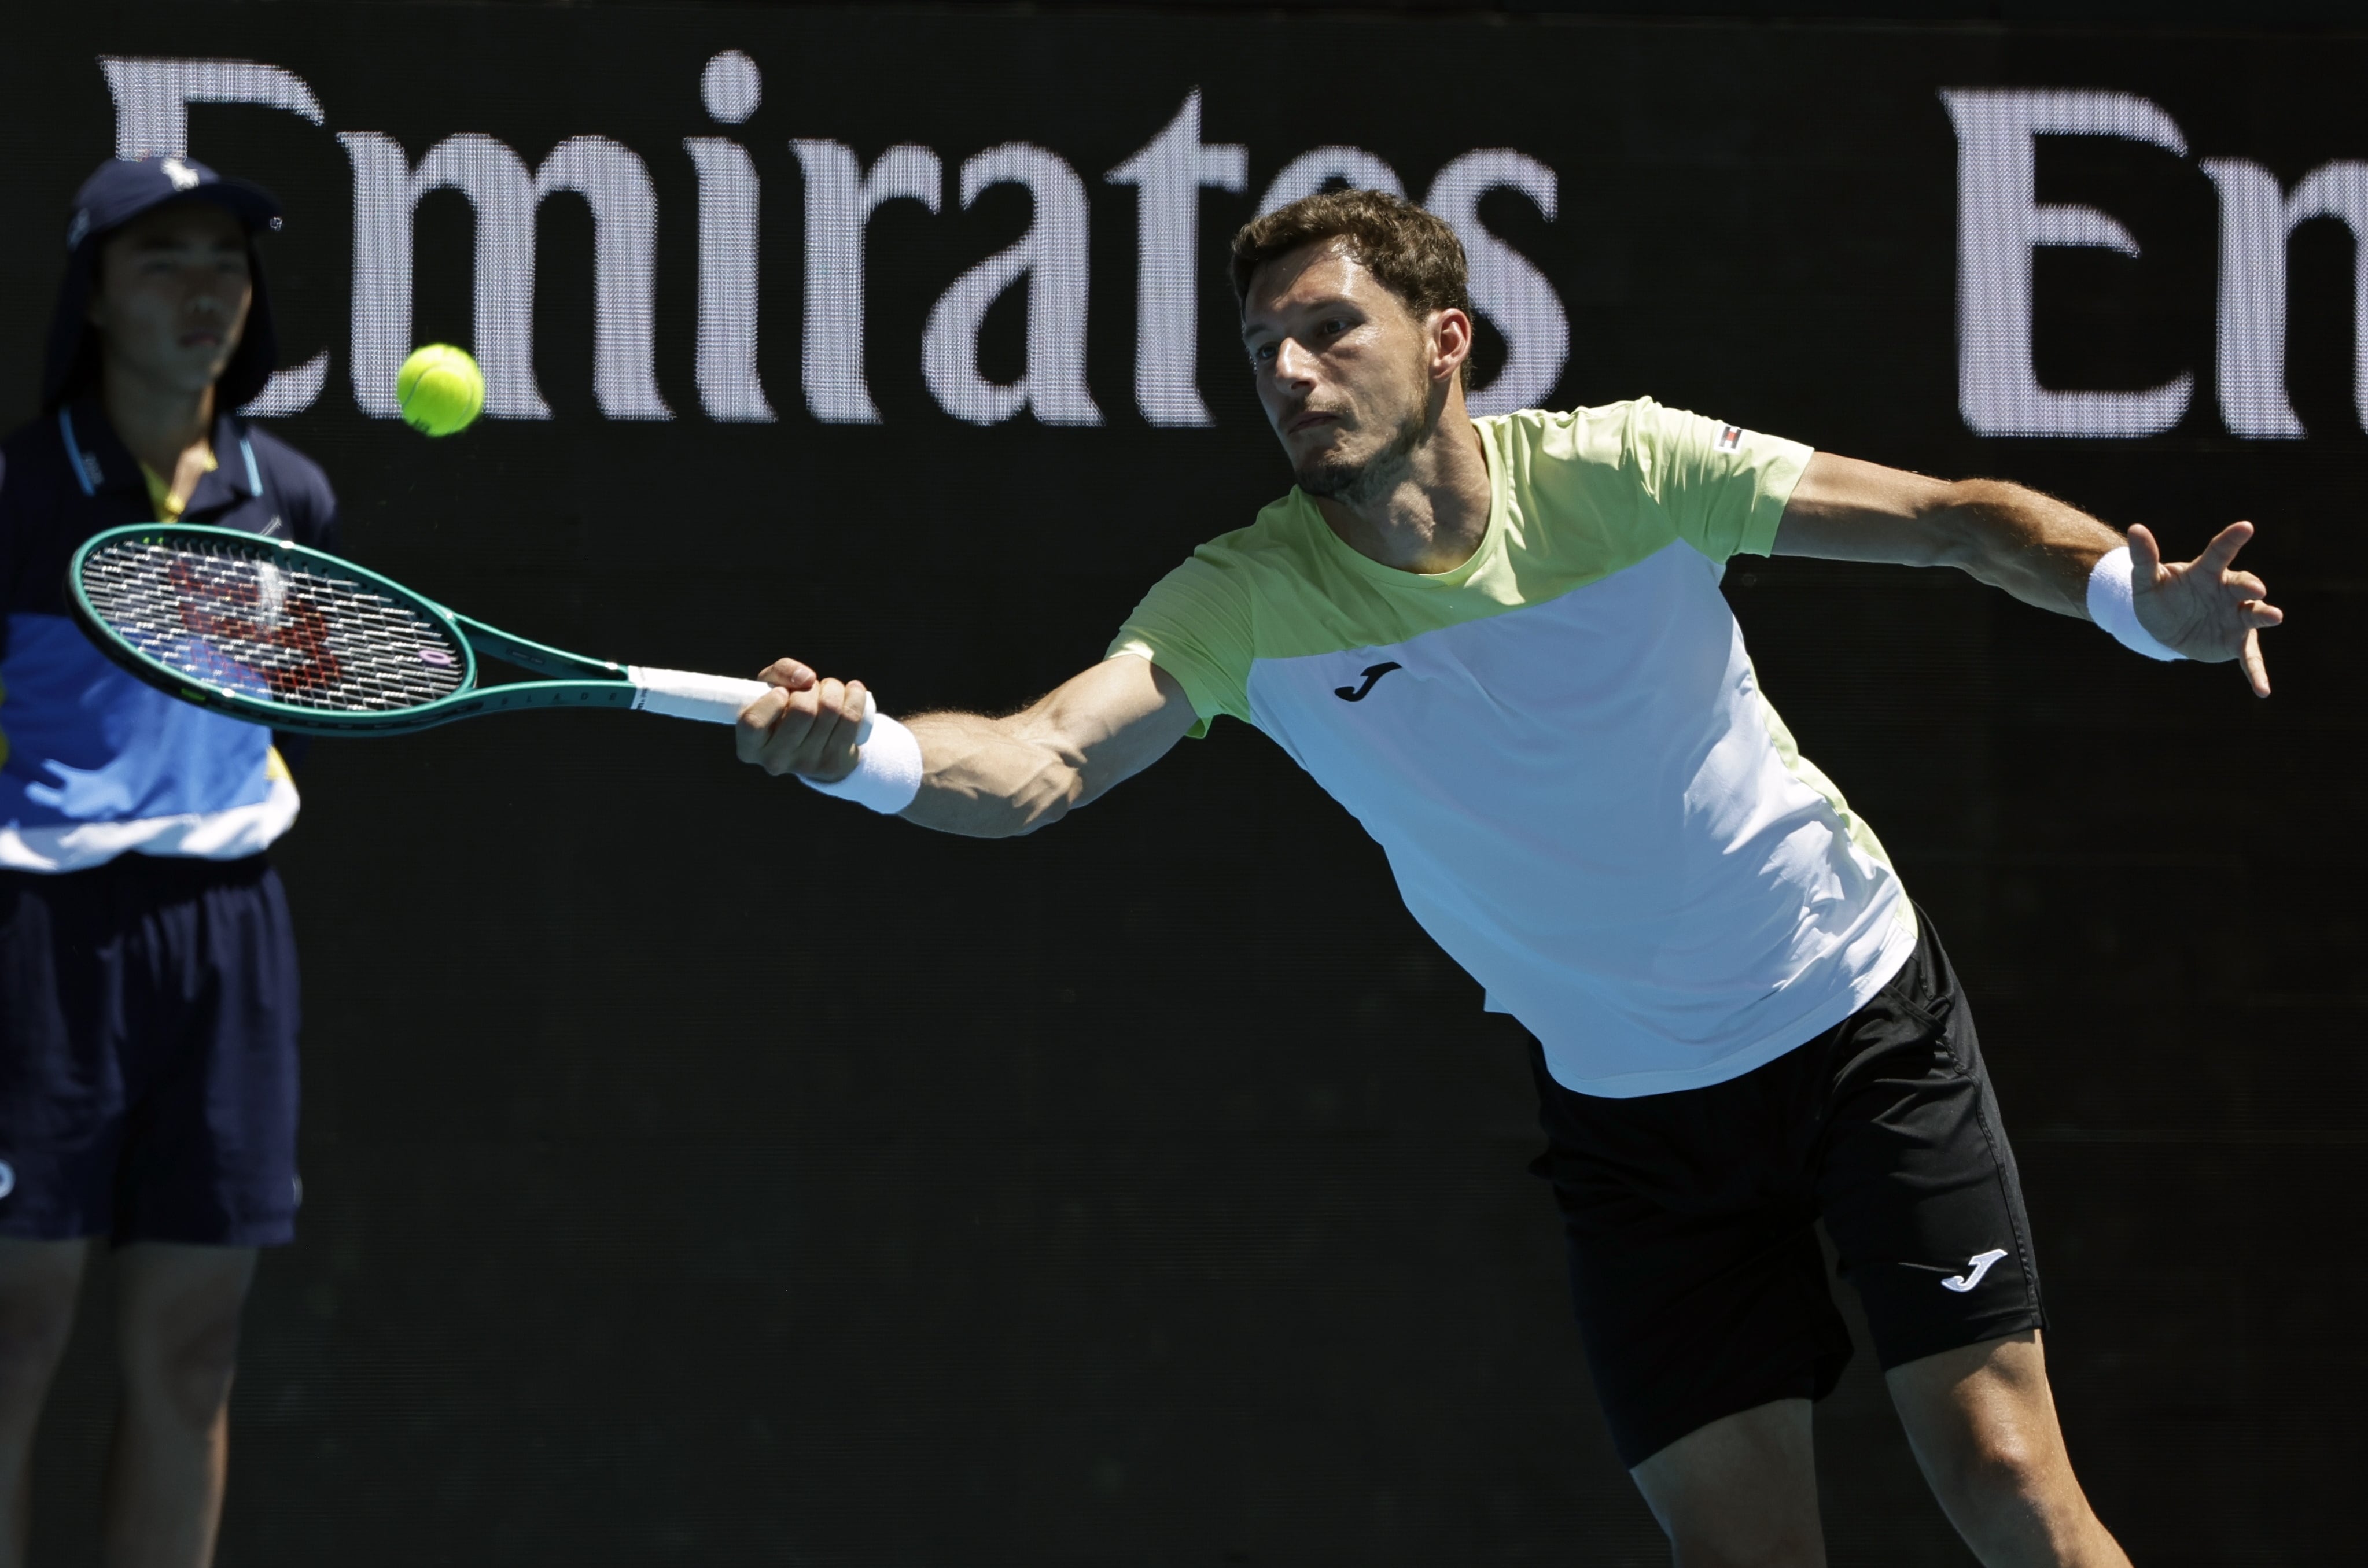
887 769
2113 605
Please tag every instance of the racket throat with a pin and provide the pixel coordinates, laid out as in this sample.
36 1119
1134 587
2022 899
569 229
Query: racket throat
492 643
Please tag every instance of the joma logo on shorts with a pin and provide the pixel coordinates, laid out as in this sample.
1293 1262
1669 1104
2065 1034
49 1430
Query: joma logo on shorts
1978 1265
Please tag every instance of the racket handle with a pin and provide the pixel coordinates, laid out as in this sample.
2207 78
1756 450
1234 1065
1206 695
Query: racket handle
713 699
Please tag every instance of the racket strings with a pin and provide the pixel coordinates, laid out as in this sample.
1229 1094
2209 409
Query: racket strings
241 619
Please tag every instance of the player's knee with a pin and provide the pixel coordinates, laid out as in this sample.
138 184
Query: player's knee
2006 1472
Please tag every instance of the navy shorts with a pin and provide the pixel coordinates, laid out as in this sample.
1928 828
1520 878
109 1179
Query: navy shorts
148 1079
1692 1217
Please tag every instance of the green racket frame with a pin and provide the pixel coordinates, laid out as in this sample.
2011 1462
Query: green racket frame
587 683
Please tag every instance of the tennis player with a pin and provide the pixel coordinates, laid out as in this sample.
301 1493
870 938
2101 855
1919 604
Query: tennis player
1500 643
147 972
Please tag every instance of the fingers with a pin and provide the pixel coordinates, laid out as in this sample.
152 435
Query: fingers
756 725
760 735
2257 671
788 672
789 731
2224 548
778 720
2218 605
758 718
804 724
821 747
828 751
2146 556
850 718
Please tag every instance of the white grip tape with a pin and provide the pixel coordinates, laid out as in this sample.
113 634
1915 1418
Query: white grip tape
2112 604
713 699
887 770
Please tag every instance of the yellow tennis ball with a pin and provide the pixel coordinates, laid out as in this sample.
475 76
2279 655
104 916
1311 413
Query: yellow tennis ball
440 390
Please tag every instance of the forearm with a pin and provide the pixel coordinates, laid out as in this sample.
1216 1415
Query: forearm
967 773
2042 552
987 778
2030 545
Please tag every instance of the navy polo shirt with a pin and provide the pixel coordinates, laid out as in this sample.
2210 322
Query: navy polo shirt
93 763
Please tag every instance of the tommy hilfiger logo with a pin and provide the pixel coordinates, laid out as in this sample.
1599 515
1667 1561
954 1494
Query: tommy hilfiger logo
1373 673
1729 438
1977 1265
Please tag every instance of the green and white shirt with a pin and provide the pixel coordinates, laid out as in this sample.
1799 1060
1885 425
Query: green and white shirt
1561 745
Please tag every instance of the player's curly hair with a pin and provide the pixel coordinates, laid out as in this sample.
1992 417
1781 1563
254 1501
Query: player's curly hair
1415 255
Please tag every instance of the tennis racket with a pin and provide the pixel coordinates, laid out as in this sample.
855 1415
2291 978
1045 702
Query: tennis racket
301 641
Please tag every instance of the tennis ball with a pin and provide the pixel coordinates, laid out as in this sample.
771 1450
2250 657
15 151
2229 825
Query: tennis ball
440 390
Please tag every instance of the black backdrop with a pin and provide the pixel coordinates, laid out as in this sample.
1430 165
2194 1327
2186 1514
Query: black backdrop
698 1171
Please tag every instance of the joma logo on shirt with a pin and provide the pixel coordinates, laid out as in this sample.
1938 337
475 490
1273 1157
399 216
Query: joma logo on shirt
1373 673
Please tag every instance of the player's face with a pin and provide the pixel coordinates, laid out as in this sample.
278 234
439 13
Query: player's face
1342 367
172 296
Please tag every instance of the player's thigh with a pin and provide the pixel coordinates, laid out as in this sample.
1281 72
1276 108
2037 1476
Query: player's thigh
1982 1421
1979 1407
1696 1273
1916 1182
1741 1490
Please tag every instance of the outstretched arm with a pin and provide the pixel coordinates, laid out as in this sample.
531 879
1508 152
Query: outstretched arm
982 778
2034 547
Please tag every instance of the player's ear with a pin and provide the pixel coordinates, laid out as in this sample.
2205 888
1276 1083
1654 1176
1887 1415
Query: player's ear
1450 343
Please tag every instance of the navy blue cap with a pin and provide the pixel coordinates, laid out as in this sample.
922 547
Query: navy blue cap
118 191
122 188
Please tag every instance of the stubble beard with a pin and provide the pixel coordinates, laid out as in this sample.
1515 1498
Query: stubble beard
1360 481
1357 481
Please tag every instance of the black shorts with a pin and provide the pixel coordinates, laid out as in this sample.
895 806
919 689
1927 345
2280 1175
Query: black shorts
148 1081
1694 1264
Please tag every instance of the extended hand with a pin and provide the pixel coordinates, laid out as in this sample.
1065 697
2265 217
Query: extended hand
2201 608
804 725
